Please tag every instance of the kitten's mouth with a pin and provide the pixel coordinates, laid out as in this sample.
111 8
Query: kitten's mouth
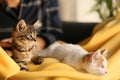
102 73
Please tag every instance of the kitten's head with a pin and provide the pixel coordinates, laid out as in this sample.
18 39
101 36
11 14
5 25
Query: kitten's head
25 32
95 62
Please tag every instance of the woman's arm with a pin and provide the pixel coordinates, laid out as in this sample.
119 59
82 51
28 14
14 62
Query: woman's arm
51 29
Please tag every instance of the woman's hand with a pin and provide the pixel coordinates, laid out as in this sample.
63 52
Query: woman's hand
7 47
41 43
6 44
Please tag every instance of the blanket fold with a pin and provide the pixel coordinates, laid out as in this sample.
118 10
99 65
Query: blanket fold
51 69
100 37
7 66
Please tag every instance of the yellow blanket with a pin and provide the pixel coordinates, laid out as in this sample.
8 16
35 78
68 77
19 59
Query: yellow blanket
51 69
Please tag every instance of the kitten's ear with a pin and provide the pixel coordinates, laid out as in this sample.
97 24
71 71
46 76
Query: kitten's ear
96 55
92 56
21 26
87 58
104 52
37 24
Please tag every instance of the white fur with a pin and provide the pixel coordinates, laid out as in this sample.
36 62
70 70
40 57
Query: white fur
73 55
92 66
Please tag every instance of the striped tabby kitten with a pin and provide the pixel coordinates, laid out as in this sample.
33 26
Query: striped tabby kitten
24 44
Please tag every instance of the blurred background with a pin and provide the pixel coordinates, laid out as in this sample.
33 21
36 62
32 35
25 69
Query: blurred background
87 10
78 11
81 16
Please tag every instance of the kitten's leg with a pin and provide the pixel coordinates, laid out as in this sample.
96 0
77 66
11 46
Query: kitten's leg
23 66
37 59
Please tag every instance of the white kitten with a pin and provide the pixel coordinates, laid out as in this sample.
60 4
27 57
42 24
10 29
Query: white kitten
77 57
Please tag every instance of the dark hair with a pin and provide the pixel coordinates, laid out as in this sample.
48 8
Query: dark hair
1 1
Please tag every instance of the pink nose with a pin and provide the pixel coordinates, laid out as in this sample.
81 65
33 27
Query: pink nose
105 72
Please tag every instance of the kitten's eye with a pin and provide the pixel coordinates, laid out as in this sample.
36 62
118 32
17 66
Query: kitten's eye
29 36
22 37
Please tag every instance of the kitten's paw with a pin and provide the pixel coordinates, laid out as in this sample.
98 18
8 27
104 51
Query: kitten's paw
38 60
23 66
24 69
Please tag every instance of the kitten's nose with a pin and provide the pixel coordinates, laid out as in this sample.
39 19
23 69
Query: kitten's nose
34 40
105 72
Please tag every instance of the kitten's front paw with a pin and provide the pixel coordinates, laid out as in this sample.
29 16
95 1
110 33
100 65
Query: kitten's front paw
38 60
23 67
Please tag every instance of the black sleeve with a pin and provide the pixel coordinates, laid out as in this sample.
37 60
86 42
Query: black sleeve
51 29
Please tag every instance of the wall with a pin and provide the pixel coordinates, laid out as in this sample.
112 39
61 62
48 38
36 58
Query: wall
68 10
78 11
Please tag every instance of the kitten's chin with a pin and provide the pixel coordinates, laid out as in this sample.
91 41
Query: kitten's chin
98 74
102 73
94 72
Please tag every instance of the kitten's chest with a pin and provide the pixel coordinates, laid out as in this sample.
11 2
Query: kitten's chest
24 45
22 55
25 54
